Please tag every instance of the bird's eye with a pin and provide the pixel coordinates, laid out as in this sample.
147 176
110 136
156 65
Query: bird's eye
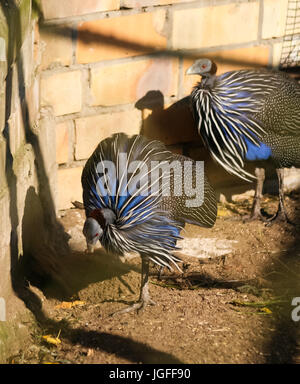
203 66
97 234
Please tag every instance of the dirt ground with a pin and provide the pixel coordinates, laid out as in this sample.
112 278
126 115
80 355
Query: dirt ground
231 307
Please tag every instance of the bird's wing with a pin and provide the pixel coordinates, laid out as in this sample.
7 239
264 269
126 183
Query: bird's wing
193 199
280 111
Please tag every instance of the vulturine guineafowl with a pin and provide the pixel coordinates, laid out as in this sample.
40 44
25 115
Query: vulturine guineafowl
248 115
138 195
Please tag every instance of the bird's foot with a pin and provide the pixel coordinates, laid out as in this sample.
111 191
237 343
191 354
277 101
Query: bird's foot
140 305
279 217
257 215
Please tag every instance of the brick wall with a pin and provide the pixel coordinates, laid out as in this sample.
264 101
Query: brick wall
27 158
119 65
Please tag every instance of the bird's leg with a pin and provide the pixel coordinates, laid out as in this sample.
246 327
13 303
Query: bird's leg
160 271
144 293
281 214
144 298
256 207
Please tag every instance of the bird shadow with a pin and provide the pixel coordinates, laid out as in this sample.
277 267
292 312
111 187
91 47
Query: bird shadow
81 270
165 123
202 279
73 270
124 347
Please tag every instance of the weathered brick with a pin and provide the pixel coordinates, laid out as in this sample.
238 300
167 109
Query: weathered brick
229 60
119 37
62 91
36 44
33 100
62 142
12 14
24 172
16 131
56 46
3 73
127 82
69 186
277 49
3 56
54 9
16 118
2 49
215 26
91 130
146 3
26 53
2 108
5 224
2 163
24 14
274 18
48 151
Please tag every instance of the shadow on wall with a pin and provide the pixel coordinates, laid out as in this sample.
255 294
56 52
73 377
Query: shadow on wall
45 241
90 37
172 125
42 258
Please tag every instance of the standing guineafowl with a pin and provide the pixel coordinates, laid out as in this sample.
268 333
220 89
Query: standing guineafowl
136 202
248 115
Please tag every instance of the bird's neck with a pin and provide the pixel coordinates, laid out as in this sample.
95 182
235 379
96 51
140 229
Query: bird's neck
103 216
208 80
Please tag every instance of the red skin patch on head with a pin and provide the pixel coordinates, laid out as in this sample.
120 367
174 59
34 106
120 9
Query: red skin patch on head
97 215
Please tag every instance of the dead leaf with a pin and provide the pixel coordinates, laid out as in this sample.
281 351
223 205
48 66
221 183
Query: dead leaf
78 302
69 304
266 310
223 212
52 340
64 305
90 352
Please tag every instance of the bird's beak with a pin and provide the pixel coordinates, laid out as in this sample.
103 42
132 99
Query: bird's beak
90 248
191 70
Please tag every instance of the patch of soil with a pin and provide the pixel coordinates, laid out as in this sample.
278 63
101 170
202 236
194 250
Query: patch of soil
235 308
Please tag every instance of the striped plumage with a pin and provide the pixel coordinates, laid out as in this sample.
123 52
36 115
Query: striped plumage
247 115
131 217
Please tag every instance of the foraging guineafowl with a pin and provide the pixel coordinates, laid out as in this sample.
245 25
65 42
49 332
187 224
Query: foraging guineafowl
137 196
248 115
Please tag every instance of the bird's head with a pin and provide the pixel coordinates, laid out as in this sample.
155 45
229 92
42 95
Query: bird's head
92 232
202 67
94 226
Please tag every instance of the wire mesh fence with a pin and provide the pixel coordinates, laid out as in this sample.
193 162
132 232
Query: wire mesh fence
290 53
